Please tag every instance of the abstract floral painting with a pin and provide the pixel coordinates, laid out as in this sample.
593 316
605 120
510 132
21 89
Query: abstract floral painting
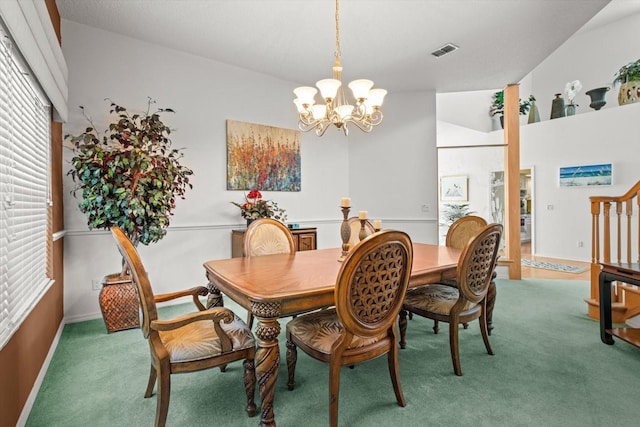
262 157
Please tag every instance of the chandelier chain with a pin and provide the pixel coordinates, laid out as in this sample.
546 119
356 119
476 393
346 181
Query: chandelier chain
338 53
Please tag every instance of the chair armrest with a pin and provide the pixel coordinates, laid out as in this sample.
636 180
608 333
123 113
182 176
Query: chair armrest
194 292
216 314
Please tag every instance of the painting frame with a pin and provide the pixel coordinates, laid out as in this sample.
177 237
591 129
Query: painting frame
262 157
590 175
454 188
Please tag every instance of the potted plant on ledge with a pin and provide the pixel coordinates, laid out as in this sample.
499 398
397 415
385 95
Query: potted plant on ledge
497 106
629 79
129 177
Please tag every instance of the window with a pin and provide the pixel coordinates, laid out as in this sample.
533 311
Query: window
24 190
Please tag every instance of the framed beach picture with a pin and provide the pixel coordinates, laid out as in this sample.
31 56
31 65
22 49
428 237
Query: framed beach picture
586 175
454 188
264 158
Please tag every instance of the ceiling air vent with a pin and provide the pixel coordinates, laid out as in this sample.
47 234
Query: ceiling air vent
447 48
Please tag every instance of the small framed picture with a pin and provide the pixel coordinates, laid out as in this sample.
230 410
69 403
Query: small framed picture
454 188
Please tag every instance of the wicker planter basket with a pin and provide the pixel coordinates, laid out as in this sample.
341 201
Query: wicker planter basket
119 303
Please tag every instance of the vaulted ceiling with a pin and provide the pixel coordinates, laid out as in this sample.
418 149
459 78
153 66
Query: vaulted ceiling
387 41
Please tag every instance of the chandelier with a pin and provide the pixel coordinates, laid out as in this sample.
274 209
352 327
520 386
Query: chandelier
364 113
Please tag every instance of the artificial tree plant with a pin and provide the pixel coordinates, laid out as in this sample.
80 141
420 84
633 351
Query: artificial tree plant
130 176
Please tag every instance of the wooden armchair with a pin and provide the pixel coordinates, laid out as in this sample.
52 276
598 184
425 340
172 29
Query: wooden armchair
193 342
266 236
370 288
466 301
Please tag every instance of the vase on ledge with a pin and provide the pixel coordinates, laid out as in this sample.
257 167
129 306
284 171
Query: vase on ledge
534 114
571 109
598 96
249 221
557 107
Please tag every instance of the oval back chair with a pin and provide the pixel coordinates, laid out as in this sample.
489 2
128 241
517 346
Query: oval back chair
462 303
370 290
267 236
463 230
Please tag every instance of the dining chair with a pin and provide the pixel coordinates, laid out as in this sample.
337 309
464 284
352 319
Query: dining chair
462 303
355 225
370 288
458 235
267 236
192 342
463 230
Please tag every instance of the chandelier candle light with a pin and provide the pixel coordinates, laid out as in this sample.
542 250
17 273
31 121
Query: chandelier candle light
365 114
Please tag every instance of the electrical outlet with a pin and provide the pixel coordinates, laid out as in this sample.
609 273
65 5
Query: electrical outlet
549 207
580 243
425 208
96 285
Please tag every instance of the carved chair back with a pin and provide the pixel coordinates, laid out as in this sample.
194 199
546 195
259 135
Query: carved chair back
463 230
372 283
266 236
476 264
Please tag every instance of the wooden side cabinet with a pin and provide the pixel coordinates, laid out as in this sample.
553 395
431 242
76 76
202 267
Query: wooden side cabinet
304 238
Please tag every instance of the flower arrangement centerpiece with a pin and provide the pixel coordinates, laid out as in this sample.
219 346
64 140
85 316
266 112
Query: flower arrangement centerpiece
255 207
571 89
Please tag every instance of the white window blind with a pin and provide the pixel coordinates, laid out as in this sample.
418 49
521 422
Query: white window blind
24 190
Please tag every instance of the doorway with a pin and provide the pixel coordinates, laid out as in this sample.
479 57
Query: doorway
527 235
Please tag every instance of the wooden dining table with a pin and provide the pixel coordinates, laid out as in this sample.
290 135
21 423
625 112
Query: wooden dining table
274 286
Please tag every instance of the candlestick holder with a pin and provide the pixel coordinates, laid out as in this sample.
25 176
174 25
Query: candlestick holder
363 232
345 232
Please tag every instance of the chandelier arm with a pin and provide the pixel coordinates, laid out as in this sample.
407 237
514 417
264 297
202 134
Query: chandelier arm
376 117
307 126
322 128
364 126
359 111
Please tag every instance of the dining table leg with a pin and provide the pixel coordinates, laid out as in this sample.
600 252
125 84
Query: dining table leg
267 357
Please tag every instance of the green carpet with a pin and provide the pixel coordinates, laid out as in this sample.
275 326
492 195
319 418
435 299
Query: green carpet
550 369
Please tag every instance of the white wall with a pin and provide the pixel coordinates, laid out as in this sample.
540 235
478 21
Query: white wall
390 172
590 137
393 171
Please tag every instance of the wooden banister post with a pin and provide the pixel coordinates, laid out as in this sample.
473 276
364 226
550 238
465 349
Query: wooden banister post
625 240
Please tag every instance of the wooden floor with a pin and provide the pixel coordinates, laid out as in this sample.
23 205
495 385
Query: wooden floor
541 273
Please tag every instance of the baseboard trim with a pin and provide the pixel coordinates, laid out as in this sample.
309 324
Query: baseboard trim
26 410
